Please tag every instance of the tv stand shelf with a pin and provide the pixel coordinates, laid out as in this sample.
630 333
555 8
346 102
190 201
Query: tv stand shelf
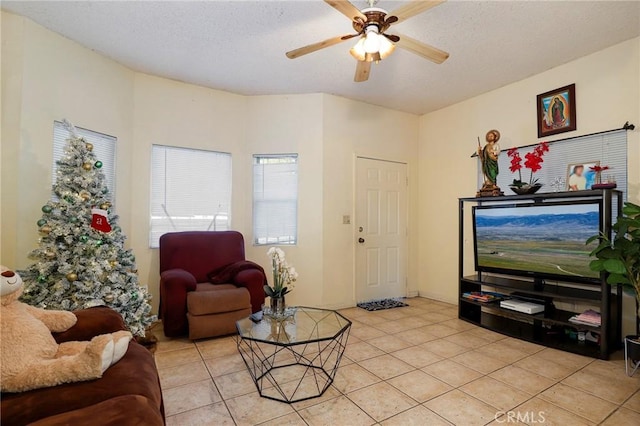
562 298
533 333
554 291
556 316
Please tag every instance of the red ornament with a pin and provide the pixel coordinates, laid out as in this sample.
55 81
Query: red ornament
99 220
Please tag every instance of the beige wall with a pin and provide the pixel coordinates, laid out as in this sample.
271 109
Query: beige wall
45 77
355 129
170 113
292 124
607 95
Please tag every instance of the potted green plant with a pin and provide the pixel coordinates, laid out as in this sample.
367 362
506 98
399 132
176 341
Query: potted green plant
620 258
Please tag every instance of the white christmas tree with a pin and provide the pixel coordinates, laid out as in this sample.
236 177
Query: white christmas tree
81 260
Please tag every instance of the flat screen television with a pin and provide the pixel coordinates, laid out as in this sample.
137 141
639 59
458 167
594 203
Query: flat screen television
543 241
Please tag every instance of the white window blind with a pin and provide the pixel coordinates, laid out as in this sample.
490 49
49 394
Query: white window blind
275 199
104 148
190 191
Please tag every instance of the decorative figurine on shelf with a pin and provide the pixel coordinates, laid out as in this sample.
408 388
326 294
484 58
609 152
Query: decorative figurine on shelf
489 160
608 183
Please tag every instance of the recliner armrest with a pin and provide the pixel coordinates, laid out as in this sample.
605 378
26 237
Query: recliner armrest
174 286
254 281
92 322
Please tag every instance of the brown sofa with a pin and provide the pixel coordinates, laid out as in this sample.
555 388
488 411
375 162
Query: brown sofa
127 394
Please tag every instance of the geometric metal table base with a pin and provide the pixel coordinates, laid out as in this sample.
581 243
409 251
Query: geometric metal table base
294 359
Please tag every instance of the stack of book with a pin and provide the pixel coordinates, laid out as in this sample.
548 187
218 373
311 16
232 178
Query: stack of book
588 317
483 296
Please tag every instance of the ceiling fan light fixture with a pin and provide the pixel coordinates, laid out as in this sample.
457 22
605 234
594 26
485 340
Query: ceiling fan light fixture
357 51
372 39
386 47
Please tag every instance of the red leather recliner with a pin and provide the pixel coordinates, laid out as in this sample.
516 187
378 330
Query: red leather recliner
189 301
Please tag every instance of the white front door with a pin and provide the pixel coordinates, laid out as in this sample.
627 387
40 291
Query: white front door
381 229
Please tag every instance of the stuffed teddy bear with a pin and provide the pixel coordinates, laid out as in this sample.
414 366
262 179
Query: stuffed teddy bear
30 356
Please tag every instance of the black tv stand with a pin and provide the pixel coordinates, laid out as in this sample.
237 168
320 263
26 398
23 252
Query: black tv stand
562 300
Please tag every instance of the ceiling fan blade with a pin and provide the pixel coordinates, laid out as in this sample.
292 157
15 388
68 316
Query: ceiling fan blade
317 46
387 23
394 38
413 8
421 49
347 9
362 71
391 20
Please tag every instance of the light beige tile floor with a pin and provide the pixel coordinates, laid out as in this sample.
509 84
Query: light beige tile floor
417 365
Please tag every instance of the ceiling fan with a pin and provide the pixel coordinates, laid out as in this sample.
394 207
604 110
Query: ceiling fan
375 44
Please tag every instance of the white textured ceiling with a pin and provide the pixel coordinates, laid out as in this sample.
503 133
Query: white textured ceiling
239 46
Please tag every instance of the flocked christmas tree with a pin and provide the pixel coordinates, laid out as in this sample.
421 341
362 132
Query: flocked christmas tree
81 260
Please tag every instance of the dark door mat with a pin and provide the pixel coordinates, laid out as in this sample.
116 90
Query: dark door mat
378 305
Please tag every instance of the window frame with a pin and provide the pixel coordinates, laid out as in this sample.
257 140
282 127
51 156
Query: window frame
212 219
280 240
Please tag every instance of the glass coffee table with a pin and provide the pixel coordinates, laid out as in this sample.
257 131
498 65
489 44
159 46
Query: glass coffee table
296 358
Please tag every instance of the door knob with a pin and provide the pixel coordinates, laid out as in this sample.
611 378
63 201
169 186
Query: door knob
361 240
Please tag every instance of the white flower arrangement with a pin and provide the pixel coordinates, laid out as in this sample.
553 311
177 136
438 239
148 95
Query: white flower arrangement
284 275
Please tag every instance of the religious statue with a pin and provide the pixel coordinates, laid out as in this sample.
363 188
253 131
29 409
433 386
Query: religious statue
489 160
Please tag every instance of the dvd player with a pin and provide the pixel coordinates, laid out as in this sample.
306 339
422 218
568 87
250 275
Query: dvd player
522 306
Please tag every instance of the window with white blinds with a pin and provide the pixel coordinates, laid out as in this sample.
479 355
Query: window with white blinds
607 148
104 148
190 191
275 199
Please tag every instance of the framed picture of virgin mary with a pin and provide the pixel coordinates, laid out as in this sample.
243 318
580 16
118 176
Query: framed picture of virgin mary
557 111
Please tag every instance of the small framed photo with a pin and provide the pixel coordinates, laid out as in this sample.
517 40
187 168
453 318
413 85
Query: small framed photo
581 176
557 111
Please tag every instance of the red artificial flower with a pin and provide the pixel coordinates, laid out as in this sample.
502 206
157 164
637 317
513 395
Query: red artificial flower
513 152
544 146
516 160
533 161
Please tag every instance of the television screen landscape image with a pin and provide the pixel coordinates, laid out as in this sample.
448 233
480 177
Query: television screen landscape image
543 240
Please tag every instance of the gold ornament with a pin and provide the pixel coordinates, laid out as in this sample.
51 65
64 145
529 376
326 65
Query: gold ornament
105 205
113 263
72 277
50 254
87 166
85 195
109 298
45 229
89 146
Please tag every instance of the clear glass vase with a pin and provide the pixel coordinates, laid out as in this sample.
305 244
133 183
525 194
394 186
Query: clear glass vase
278 305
